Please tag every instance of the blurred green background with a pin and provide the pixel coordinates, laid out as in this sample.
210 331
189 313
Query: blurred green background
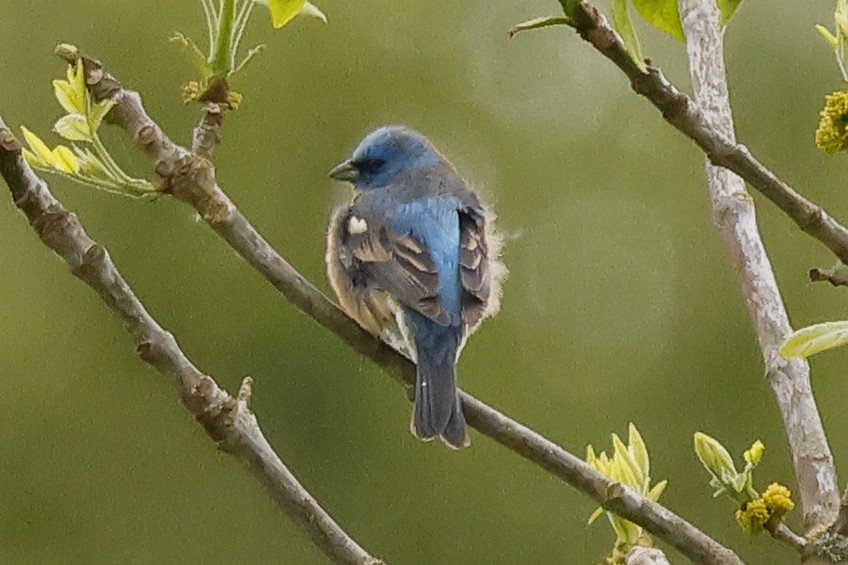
621 305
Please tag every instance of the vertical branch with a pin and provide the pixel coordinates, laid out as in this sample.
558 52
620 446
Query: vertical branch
735 218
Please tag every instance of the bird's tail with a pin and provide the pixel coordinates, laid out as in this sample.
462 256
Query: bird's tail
437 407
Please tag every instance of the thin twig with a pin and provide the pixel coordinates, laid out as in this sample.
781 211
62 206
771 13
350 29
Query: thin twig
783 533
227 420
207 133
192 179
735 217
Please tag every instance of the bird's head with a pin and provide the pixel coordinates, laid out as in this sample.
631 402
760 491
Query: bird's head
384 153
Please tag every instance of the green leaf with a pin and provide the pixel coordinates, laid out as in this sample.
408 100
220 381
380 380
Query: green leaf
568 6
814 339
284 11
73 127
656 492
64 160
538 23
727 7
98 112
42 156
595 515
639 450
197 56
829 37
621 20
662 14
755 453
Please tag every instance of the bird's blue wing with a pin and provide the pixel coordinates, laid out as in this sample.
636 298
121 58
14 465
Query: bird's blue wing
376 257
475 274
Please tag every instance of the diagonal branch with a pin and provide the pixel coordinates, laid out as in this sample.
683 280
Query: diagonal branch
227 420
191 179
687 117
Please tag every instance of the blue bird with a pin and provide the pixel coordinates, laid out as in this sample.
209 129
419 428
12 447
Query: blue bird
414 260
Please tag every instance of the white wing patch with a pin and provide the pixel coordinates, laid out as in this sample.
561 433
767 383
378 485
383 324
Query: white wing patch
356 226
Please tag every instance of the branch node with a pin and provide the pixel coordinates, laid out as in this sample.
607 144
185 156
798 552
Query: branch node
9 142
245 392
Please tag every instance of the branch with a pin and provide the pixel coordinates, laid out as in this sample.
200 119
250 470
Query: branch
191 179
722 150
709 125
735 217
646 556
207 133
227 420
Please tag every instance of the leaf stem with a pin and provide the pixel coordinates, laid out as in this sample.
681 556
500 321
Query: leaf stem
221 55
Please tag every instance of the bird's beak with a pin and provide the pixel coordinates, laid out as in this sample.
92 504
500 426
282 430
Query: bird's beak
346 171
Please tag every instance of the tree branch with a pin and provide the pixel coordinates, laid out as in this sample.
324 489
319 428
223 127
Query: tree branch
646 556
207 133
735 217
191 179
227 420
710 126
723 151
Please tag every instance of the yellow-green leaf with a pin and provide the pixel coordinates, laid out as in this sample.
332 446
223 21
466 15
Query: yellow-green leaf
829 37
98 112
662 14
64 160
73 127
622 23
42 153
656 492
595 515
755 452
727 7
67 97
714 456
631 471
284 11
814 339
639 450
71 93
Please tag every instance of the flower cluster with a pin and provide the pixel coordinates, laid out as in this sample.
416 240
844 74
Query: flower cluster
756 511
832 133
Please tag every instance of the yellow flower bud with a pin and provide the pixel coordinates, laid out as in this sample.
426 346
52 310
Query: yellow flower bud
778 500
753 516
832 133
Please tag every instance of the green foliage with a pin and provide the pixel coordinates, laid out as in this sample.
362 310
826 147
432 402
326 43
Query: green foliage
838 40
755 512
226 22
89 164
629 465
621 20
815 339
662 14
724 477
728 8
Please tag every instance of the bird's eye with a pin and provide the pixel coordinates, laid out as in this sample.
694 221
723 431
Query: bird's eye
370 166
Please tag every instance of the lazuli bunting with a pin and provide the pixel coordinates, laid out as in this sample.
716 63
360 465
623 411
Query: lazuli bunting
414 260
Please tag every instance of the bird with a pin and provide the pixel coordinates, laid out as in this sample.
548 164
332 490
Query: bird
414 258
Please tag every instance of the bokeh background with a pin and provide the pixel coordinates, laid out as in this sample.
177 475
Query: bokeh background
621 305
